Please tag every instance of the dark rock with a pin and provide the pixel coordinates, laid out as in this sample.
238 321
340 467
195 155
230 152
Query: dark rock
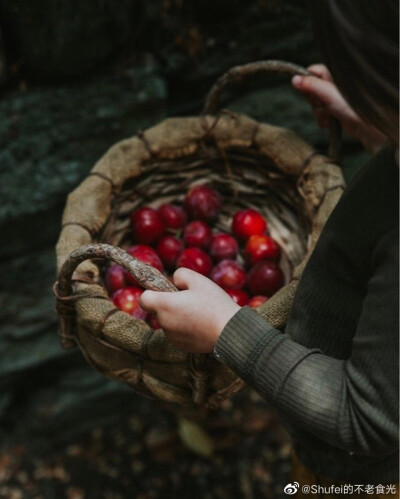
67 38
3 68
75 401
28 323
50 138
5 400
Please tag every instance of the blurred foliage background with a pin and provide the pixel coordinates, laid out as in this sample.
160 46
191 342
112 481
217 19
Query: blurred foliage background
75 77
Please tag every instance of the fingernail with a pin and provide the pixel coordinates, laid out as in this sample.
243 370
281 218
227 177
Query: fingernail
296 80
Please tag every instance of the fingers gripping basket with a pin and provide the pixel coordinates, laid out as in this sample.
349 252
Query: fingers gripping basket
251 164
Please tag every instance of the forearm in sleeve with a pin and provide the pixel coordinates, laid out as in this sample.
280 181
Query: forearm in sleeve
308 388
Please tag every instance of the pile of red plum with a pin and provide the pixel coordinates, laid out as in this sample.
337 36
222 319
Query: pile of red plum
175 236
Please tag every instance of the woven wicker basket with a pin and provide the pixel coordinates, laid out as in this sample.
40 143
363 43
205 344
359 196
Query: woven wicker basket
252 165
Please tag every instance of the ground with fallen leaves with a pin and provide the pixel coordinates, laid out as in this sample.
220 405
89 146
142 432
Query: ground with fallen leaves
239 451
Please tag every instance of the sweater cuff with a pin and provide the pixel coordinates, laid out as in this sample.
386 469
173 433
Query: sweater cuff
241 338
262 356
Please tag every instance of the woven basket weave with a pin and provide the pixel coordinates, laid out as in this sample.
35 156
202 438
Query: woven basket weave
251 164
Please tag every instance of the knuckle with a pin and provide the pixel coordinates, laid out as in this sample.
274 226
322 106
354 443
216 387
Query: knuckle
146 297
181 273
317 68
320 70
309 83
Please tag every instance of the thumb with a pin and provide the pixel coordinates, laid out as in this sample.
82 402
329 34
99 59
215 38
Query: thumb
314 87
320 70
149 300
187 279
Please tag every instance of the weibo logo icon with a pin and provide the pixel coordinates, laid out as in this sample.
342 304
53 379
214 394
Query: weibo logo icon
291 488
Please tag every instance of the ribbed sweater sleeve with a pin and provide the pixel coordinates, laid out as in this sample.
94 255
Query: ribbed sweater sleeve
351 404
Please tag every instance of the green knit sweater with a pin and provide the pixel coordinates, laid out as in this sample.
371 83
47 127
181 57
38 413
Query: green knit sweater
334 376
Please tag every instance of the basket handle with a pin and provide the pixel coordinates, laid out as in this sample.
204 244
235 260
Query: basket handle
238 73
147 276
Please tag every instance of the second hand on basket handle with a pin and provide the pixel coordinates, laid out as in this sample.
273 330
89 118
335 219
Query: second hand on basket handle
238 73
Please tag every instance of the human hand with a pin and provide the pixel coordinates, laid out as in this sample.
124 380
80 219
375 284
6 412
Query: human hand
194 317
327 101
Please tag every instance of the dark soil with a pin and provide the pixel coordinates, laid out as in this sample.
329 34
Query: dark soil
145 457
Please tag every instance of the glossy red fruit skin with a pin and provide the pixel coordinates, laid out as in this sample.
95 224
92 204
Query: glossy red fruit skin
223 247
195 259
257 300
197 234
168 249
174 217
147 225
247 223
229 274
145 254
127 299
265 278
153 322
239 296
260 248
115 278
203 203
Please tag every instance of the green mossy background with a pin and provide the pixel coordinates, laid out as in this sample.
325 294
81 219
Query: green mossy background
75 77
